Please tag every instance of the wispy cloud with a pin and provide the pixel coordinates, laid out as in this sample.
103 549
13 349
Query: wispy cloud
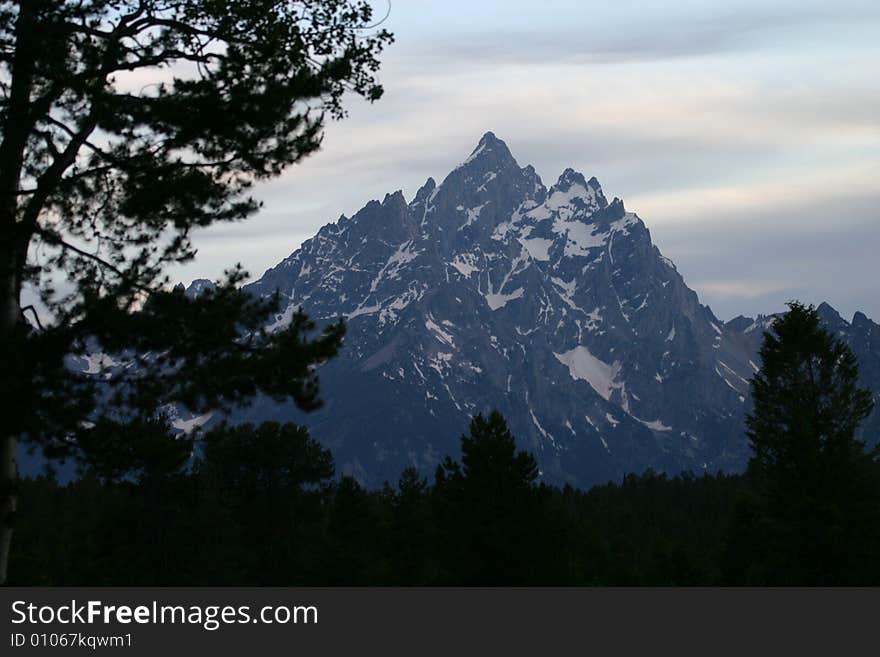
746 135
586 33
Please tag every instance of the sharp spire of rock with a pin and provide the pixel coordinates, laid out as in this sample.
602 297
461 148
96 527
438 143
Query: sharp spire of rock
553 306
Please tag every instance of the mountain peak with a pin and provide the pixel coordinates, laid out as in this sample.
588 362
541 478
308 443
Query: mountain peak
396 198
831 318
489 290
861 321
492 151
571 177
197 287
573 183
826 311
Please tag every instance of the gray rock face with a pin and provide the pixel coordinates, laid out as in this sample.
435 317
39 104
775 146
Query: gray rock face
491 291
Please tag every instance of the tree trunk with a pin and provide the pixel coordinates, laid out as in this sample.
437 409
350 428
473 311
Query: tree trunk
10 318
16 128
9 503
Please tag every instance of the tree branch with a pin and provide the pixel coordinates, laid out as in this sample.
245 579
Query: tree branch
48 181
57 240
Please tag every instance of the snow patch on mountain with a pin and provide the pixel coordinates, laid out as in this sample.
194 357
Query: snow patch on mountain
538 247
443 336
283 319
99 362
405 253
363 310
192 423
546 434
656 425
497 300
464 264
473 214
580 237
584 366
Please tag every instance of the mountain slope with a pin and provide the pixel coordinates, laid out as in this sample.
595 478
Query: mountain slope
552 305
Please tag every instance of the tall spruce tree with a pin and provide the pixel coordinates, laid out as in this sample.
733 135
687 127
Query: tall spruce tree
124 125
412 535
489 506
816 513
272 479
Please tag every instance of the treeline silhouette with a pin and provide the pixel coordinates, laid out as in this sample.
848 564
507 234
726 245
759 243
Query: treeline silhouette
261 506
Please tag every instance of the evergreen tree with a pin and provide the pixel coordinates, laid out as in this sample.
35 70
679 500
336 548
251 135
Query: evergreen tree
412 531
124 126
816 511
354 552
271 479
489 506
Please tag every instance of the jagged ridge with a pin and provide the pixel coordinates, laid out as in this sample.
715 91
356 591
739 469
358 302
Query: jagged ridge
552 305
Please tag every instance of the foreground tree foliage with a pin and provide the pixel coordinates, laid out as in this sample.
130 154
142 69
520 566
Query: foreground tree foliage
124 126
260 506
813 516
488 505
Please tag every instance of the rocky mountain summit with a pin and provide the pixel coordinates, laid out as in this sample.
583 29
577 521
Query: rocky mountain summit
552 305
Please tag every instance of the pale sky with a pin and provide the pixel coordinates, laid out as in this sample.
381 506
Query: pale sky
745 135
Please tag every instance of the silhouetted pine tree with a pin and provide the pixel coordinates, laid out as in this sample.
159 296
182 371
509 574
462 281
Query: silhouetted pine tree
488 506
355 550
412 540
270 481
815 513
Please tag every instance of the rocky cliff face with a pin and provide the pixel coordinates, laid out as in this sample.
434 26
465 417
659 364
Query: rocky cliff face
552 305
